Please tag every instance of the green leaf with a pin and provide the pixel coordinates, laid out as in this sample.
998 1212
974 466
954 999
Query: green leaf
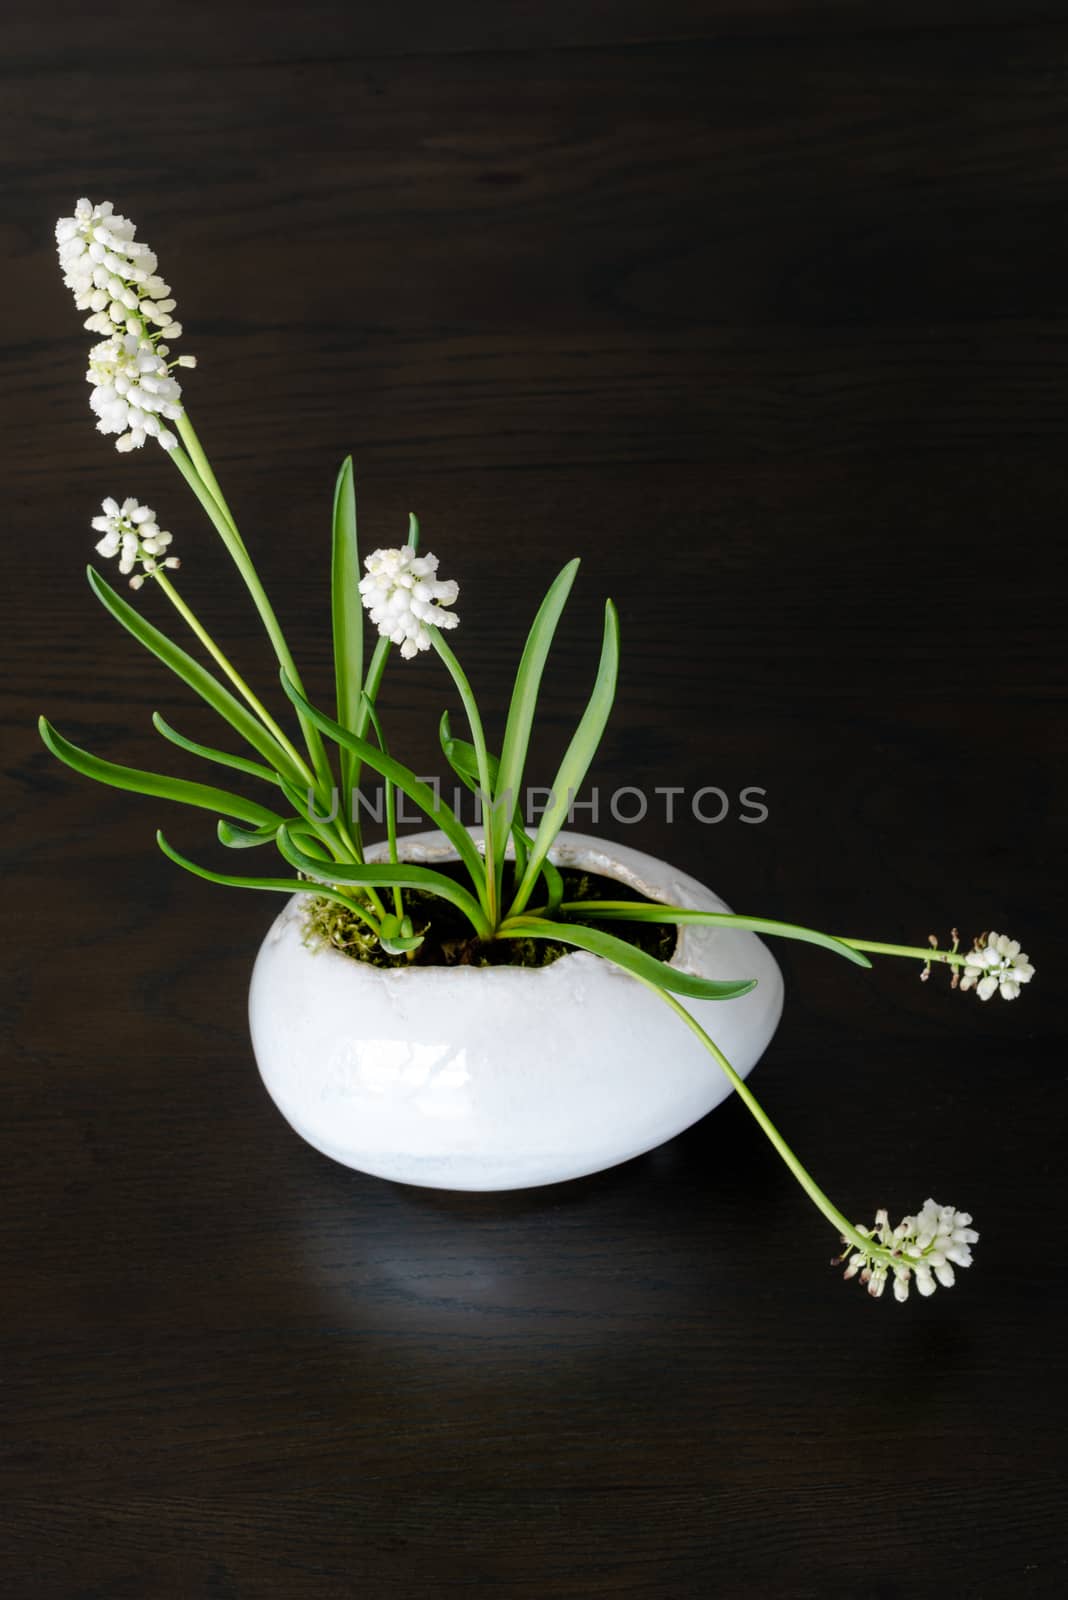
221 757
235 838
347 612
554 882
197 677
203 795
420 793
508 784
394 945
396 936
385 875
625 955
577 758
280 885
651 911
303 803
462 755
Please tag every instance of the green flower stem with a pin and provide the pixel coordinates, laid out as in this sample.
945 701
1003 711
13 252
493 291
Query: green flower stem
234 676
188 436
226 530
391 835
372 683
955 958
368 712
804 1178
488 892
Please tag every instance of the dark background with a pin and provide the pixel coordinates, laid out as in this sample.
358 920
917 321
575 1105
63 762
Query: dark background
761 308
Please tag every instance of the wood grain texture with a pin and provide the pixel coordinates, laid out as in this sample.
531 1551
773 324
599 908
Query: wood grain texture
760 308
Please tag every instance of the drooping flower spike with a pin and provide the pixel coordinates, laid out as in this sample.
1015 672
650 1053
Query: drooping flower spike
404 597
113 276
926 1247
132 533
996 963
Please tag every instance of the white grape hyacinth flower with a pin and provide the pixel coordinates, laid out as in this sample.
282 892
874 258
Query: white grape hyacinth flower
405 599
926 1247
996 964
132 533
113 276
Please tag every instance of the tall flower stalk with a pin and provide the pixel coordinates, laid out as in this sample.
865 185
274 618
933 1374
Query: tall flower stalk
113 276
205 487
509 888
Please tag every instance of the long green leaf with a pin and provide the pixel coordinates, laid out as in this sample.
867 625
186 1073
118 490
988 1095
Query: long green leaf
197 677
222 758
652 911
385 875
508 785
420 793
347 612
577 758
203 795
280 885
625 955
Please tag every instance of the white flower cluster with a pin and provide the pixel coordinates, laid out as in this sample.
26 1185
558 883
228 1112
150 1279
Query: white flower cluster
114 278
405 598
926 1247
996 962
132 533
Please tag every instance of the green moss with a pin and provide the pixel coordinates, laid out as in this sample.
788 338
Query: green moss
449 942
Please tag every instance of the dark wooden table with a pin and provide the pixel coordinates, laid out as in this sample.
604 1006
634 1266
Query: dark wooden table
760 306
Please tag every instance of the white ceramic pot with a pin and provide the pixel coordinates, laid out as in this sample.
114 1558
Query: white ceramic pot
503 1077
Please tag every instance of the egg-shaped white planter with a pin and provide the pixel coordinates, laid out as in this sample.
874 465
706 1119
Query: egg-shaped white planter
503 1077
